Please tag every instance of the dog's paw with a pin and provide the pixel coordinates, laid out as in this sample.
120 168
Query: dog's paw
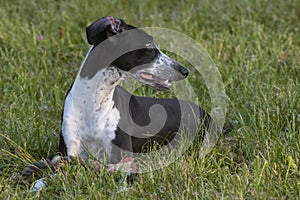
126 165
39 184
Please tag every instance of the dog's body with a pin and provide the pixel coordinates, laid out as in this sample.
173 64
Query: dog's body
101 117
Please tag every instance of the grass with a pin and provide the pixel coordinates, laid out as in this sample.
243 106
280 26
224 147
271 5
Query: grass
256 46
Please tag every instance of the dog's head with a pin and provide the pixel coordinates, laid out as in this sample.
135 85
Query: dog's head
146 63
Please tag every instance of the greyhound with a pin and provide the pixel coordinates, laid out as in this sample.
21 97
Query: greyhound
97 109
100 118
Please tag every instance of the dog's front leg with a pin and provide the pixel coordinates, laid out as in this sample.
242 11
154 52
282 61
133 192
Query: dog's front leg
70 141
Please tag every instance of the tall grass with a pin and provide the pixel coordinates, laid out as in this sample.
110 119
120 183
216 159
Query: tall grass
256 46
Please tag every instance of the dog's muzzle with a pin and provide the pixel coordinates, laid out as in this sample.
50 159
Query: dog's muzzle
160 76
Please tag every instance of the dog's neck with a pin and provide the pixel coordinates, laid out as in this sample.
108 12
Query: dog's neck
106 81
97 93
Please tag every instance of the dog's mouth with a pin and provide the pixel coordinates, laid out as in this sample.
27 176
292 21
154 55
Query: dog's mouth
162 84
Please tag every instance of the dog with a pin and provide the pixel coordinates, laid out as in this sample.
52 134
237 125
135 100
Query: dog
95 106
103 120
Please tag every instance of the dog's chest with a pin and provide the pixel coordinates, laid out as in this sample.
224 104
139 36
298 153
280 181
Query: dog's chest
97 129
94 116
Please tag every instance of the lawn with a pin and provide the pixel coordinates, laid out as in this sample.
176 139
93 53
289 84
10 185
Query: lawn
256 47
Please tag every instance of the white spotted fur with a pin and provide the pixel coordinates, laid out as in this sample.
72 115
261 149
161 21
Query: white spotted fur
90 118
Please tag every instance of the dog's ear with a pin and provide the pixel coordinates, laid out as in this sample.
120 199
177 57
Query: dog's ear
104 28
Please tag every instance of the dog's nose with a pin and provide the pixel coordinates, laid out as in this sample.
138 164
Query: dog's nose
184 71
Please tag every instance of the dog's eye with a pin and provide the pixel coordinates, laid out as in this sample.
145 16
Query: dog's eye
148 44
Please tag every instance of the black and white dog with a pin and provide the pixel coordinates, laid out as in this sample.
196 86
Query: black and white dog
101 118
